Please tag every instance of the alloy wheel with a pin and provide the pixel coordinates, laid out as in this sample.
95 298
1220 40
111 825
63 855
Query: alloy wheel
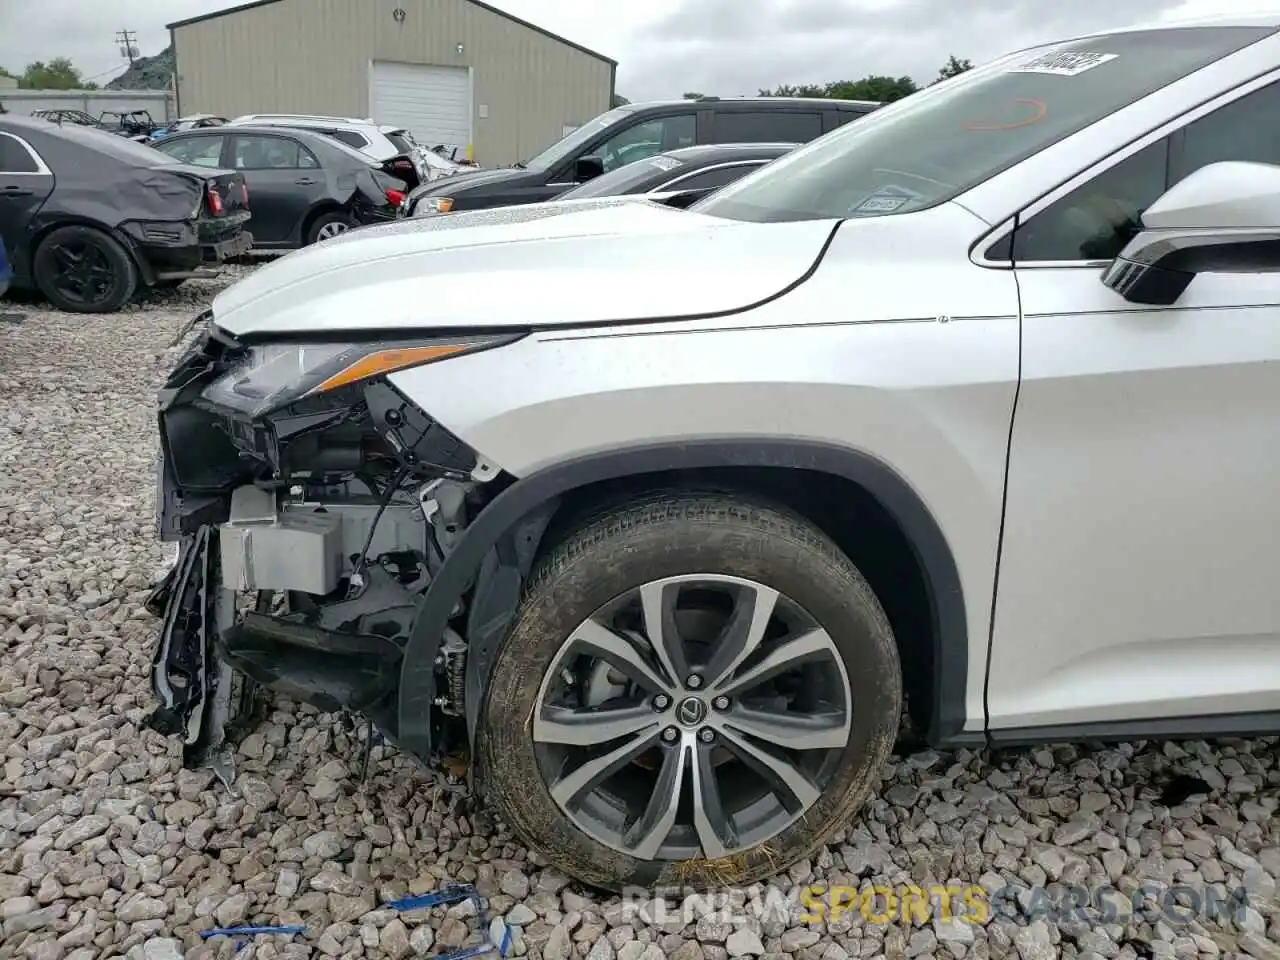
331 229
82 272
696 715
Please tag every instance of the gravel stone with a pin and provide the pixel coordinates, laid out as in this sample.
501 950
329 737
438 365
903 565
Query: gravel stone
109 848
743 943
394 940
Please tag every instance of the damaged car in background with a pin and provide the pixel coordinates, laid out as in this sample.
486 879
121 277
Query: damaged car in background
92 219
660 572
306 187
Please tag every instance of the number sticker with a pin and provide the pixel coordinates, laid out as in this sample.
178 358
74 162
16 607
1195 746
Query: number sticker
1064 63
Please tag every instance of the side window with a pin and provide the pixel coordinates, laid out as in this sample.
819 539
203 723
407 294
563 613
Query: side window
713 179
648 139
1242 130
349 137
15 158
271 153
198 151
767 126
1096 220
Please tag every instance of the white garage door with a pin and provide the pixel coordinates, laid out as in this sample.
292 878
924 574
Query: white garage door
432 103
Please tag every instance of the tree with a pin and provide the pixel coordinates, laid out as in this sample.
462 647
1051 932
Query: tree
619 100
953 68
57 74
882 89
692 96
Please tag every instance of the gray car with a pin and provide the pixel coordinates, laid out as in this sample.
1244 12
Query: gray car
303 186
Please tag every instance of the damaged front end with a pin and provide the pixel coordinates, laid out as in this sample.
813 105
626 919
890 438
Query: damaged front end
313 503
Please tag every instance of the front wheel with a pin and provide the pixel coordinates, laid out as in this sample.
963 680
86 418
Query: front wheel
698 689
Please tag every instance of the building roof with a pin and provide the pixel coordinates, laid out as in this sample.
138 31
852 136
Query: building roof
484 6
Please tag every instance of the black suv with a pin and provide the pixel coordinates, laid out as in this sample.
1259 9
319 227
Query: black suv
635 132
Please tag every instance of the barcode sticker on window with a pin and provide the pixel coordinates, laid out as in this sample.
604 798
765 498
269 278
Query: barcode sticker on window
1064 64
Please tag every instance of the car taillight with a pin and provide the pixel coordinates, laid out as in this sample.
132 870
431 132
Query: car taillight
214 200
244 193
401 165
395 197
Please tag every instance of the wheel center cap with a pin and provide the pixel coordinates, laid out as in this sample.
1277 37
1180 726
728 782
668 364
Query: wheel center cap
691 711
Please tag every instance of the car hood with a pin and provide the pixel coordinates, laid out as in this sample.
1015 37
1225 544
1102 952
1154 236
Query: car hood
475 180
546 264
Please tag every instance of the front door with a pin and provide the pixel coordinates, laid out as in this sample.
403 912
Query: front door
25 183
1138 571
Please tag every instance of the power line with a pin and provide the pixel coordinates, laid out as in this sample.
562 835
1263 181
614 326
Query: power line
114 69
128 40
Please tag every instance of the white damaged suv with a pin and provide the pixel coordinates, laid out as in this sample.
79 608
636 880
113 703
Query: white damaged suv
661 520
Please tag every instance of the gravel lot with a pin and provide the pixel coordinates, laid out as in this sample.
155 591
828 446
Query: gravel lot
109 848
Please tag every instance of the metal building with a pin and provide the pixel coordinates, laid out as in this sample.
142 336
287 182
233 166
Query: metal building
450 71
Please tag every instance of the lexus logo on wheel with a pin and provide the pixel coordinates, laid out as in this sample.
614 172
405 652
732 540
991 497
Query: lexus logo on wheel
691 711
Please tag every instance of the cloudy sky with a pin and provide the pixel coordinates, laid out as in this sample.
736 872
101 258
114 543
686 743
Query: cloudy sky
667 47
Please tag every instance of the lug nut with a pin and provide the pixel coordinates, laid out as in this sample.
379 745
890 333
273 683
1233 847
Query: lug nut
720 703
670 734
706 734
661 702
694 681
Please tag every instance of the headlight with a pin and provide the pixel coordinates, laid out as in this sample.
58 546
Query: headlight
430 205
272 375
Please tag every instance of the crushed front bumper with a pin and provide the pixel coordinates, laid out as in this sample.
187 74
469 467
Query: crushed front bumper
183 674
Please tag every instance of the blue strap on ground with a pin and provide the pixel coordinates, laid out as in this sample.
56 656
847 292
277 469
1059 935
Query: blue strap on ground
457 894
241 935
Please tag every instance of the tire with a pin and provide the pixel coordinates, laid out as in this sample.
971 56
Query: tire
667 536
84 270
327 225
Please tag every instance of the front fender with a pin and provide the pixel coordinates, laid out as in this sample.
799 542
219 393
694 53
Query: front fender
897 358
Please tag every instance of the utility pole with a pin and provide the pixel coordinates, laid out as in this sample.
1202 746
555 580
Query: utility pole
128 40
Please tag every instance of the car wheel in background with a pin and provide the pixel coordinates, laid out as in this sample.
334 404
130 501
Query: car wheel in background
329 225
84 270
697 689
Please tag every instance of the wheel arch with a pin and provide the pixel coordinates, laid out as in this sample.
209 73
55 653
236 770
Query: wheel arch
503 539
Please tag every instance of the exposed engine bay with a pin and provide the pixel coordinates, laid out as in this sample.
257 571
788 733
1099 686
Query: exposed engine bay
310 527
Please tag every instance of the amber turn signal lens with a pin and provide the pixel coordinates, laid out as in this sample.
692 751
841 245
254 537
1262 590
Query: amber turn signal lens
388 361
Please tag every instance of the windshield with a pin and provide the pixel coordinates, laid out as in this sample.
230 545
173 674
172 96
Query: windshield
934 145
566 145
634 177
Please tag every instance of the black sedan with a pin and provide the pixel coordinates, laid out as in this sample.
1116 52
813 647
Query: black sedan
305 186
677 178
90 219
692 172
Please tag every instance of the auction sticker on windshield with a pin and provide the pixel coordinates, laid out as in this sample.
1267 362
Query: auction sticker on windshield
1064 63
887 199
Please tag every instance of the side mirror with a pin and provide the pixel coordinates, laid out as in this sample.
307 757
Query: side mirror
587 168
1223 218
